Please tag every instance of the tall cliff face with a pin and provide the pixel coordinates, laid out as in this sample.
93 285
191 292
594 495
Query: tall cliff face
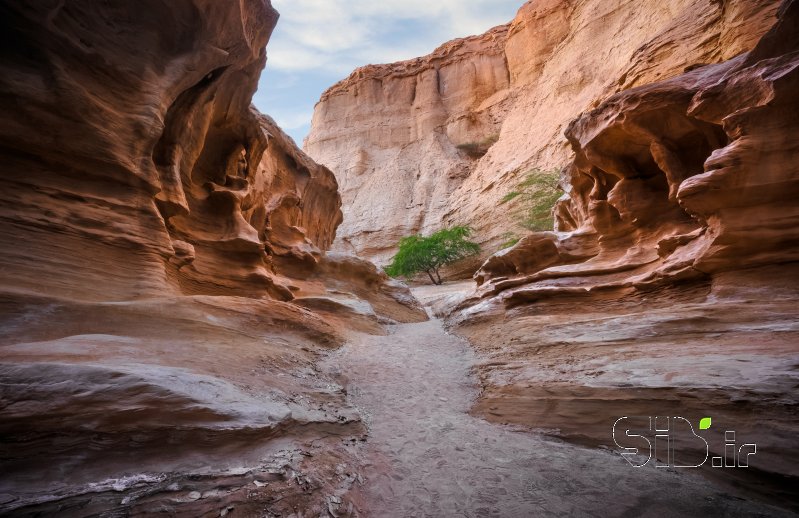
391 132
155 228
677 180
440 140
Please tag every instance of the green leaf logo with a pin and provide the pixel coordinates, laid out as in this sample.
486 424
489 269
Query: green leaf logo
704 423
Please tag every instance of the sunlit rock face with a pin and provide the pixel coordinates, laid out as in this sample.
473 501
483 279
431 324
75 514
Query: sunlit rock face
391 134
679 179
671 283
439 140
155 229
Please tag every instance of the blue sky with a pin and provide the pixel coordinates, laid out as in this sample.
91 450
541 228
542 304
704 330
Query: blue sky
319 42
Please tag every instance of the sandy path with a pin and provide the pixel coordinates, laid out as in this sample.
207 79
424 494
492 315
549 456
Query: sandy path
429 457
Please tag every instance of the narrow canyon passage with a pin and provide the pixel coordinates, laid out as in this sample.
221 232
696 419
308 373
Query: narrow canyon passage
428 457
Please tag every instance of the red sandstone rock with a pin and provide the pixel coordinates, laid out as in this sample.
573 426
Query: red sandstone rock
453 132
153 227
671 284
685 177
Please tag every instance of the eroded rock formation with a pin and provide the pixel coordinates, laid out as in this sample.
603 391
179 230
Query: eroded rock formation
677 180
155 232
671 283
441 139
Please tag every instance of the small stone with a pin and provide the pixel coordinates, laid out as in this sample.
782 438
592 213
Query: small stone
194 495
333 506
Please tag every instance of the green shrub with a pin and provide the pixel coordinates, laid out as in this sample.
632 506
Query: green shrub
428 254
511 239
534 199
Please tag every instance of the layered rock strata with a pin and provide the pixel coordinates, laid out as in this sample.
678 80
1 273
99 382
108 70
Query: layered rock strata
676 181
440 140
160 243
670 287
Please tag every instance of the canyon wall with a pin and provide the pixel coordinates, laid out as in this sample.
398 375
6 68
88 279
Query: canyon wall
144 161
441 139
162 245
675 181
672 282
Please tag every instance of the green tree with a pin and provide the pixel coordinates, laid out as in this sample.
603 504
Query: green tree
535 198
428 254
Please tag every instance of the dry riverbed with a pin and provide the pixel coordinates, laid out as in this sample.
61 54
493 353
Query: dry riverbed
428 456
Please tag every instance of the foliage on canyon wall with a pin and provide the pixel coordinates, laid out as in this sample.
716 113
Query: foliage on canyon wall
395 134
532 200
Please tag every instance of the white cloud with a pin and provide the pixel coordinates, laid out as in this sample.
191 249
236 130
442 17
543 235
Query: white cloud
292 120
339 35
287 55
318 42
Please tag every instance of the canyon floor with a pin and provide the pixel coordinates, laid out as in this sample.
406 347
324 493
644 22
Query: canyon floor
410 420
427 455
